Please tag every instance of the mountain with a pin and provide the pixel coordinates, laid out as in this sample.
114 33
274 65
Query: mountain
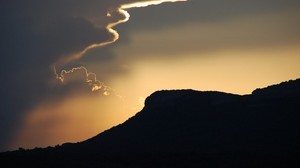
187 128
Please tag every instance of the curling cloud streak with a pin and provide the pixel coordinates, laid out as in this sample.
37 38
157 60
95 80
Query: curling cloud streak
122 16
115 36
147 3
36 34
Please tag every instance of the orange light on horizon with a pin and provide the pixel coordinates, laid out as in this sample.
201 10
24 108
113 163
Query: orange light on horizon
73 119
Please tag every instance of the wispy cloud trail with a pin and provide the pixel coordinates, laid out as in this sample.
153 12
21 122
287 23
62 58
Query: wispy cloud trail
123 17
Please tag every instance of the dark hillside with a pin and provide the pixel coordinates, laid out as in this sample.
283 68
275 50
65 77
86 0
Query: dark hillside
187 128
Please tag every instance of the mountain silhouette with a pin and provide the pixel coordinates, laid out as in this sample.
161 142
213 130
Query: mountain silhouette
188 128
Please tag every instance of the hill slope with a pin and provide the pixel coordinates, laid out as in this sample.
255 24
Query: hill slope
187 128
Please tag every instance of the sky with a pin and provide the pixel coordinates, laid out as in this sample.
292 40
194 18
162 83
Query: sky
73 68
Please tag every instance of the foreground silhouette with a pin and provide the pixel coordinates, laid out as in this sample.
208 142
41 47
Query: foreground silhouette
187 128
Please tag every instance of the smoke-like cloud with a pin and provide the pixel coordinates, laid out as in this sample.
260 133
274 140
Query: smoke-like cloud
115 15
146 3
36 35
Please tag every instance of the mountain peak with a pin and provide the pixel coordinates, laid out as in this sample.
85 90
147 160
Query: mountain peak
186 128
187 97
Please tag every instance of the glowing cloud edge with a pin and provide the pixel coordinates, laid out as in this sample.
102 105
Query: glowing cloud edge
109 27
147 3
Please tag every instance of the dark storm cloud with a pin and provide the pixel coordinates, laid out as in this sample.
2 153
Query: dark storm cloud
37 34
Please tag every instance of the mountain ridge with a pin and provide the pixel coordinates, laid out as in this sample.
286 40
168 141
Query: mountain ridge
185 126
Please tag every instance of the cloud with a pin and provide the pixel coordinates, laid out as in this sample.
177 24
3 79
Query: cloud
80 78
245 33
204 11
146 3
36 35
115 14
198 27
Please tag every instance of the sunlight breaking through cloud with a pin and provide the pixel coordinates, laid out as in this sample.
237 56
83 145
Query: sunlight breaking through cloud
123 16
147 3
117 11
81 75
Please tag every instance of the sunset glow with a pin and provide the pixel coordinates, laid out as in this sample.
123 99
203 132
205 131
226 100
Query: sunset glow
71 120
74 69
